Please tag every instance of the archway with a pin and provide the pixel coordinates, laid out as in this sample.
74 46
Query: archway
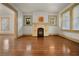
40 32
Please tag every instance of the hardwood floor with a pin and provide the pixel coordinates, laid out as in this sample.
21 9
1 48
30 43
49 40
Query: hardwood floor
34 46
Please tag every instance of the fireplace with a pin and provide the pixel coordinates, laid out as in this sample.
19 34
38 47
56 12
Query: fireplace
40 29
40 32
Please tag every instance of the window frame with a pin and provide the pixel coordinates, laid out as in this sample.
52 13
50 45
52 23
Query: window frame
71 18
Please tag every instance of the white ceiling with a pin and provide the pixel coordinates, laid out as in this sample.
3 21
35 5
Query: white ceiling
46 7
5 11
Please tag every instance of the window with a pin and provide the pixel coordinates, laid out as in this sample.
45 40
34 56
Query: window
4 24
66 20
75 18
70 18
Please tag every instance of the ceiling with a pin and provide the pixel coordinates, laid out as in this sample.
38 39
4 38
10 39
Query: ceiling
46 7
4 10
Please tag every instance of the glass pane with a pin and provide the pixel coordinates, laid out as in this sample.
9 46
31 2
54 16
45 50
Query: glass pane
66 21
76 18
4 24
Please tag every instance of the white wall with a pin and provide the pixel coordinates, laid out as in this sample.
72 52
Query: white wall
70 35
27 30
19 20
20 23
36 15
53 30
12 23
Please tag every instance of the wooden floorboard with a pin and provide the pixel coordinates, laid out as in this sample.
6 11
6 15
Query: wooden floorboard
42 46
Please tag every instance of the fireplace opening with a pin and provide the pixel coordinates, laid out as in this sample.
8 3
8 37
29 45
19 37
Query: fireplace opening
40 32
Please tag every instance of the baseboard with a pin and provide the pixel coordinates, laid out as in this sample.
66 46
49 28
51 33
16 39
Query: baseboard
19 36
75 40
52 34
35 36
26 35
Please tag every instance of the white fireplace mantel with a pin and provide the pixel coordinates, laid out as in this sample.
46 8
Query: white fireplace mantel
40 25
